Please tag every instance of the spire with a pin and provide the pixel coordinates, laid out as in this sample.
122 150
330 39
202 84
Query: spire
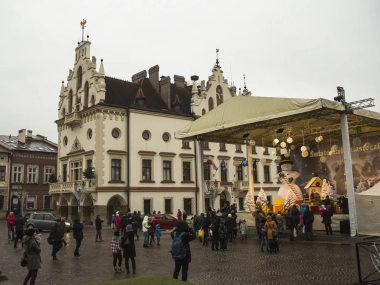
83 25
101 68
217 59
194 89
245 86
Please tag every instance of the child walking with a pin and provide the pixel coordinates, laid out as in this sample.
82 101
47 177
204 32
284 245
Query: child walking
158 234
243 229
116 251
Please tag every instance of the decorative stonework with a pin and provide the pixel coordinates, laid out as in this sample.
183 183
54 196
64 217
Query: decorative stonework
76 145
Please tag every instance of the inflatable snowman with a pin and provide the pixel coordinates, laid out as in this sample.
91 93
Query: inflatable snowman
287 177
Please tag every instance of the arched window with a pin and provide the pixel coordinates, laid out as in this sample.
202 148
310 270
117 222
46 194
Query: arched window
79 77
86 91
219 95
210 104
203 112
70 102
92 100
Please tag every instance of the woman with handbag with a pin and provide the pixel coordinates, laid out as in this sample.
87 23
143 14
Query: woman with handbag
33 258
128 244
271 228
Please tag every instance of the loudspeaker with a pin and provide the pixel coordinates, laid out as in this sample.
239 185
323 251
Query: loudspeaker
344 227
345 206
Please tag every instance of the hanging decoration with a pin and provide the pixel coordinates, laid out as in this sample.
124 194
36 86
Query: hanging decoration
304 149
356 141
292 147
283 144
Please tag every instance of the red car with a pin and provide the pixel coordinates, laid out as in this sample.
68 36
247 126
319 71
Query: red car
166 221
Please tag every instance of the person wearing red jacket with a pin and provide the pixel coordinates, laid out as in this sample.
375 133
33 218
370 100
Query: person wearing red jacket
11 223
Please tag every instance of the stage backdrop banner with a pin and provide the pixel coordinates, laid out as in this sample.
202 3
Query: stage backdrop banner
367 210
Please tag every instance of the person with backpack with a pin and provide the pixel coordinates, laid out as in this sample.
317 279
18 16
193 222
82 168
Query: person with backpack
116 252
181 253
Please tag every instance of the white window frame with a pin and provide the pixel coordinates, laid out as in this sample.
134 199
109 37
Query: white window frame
121 168
20 172
31 198
74 168
32 174
48 170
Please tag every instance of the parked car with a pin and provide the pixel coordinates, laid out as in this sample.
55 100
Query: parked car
166 221
44 221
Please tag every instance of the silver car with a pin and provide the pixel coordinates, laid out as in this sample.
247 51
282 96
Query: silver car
44 222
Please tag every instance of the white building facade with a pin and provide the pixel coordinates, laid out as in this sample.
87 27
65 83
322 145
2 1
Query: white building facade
116 138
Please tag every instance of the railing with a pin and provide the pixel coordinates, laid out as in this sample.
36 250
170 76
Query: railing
73 118
68 187
241 185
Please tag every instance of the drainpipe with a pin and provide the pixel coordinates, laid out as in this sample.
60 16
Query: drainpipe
196 179
128 159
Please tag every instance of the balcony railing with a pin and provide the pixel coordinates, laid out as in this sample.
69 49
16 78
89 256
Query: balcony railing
73 118
241 185
68 187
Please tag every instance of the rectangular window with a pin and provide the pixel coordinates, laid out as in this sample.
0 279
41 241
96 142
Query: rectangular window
207 171
48 205
64 172
17 174
48 171
185 144
223 176
2 173
241 204
76 170
238 147
147 209
205 145
88 163
255 177
239 172
168 206
266 173
146 169
2 202
167 170
186 171
32 174
187 205
116 169
222 146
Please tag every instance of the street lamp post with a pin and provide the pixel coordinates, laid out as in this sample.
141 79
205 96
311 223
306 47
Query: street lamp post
79 192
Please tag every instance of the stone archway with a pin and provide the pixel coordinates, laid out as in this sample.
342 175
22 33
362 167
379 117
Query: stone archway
116 203
224 198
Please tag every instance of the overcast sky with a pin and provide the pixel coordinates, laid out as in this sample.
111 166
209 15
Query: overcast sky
300 49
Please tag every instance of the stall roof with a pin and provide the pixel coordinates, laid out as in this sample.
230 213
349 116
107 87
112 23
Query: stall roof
265 118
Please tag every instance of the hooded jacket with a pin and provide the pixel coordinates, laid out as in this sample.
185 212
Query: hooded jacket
145 225
33 252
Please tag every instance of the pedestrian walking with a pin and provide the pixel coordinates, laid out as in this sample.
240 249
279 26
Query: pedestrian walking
184 215
19 225
113 220
326 219
205 226
128 244
179 215
158 234
308 219
123 224
223 235
145 228
98 227
33 258
271 227
230 224
78 236
10 224
187 235
280 223
63 227
263 235
152 230
290 224
116 250
243 229
117 221
215 231
135 220
56 236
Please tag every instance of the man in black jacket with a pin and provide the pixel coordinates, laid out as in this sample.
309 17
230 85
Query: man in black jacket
215 231
19 223
56 235
187 237
98 227
308 219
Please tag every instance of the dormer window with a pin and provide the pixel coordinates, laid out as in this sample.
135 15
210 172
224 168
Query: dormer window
79 77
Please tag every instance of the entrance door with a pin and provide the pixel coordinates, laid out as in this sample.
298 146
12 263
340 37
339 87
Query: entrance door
223 200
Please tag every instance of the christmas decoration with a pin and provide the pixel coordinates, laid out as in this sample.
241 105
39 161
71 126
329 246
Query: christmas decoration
325 190
262 197
290 200
249 202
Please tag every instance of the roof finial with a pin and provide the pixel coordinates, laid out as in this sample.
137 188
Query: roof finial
217 59
83 25
245 87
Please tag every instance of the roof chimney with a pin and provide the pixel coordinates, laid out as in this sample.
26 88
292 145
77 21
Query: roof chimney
165 90
29 134
179 81
21 135
153 77
138 76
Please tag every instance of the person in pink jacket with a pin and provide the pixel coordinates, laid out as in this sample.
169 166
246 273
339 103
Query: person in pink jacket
11 223
117 221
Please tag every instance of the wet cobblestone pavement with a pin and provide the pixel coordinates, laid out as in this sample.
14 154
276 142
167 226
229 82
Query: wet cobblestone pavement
298 262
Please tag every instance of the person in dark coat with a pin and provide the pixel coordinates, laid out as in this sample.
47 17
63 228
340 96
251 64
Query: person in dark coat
56 235
205 225
290 224
32 249
326 219
199 223
186 239
308 219
63 227
78 236
215 222
123 223
230 224
98 227
296 217
129 249
135 219
19 225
